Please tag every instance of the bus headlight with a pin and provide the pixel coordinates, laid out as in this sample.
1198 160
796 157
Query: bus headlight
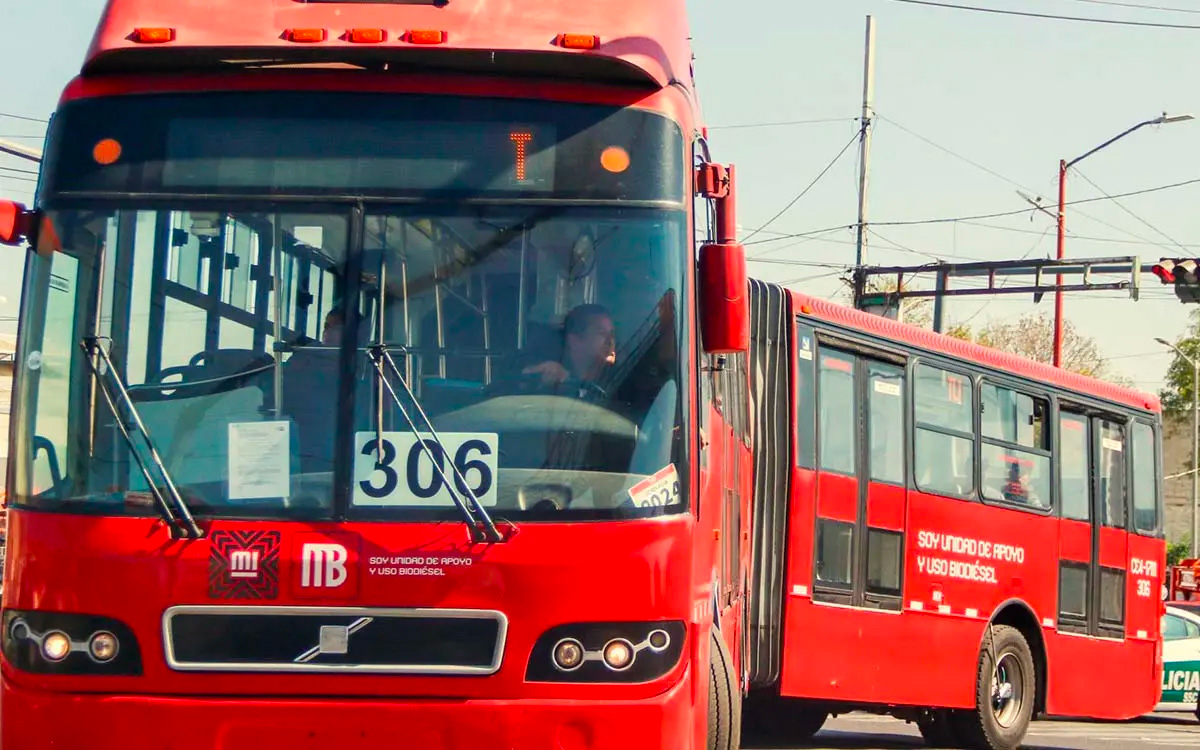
66 643
620 652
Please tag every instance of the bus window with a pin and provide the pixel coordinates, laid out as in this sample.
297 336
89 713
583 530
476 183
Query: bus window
1112 474
885 423
945 439
1145 489
805 398
1074 485
1015 457
836 403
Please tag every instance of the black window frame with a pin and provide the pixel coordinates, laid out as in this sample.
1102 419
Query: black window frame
916 425
1047 451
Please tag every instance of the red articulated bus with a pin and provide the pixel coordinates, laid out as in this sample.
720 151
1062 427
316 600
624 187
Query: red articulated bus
359 390
943 532
374 387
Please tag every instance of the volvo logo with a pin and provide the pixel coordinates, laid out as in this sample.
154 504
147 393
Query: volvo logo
333 639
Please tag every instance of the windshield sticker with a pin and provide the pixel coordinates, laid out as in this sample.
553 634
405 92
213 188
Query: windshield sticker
806 347
258 460
243 564
34 361
399 470
657 491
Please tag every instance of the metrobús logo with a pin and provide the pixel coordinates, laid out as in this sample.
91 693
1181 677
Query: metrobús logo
325 565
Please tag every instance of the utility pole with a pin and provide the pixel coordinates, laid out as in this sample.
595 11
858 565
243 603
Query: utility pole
1195 472
868 116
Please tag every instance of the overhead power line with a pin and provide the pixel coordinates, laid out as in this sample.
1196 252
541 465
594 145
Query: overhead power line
1138 6
23 118
810 186
784 123
950 219
1121 206
1050 16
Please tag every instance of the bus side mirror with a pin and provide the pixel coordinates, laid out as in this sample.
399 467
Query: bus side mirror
16 222
724 300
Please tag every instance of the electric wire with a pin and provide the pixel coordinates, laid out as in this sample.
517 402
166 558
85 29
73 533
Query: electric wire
810 186
1050 16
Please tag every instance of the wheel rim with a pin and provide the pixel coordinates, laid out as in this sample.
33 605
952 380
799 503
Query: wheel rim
1008 690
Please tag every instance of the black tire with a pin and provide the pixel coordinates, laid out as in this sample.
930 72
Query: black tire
937 728
724 698
1004 706
770 718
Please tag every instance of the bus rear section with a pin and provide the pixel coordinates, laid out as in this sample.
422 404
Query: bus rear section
356 403
943 532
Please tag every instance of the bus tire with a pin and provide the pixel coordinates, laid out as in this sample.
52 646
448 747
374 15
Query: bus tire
1003 703
724 698
937 728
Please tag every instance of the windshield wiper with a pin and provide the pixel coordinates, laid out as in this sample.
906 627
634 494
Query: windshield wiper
175 511
473 512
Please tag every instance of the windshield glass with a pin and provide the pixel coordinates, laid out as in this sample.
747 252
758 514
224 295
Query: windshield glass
541 342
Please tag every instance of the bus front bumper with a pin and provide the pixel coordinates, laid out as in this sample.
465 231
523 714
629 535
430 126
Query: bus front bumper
32 719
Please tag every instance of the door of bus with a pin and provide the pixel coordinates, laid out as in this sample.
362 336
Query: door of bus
861 491
1093 542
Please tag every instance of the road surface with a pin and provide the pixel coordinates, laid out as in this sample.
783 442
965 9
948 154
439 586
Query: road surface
868 732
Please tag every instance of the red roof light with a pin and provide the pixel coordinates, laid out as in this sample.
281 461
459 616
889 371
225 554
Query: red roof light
578 41
366 36
153 35
426 36
305 36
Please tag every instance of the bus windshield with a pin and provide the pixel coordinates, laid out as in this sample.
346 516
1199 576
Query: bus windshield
542 342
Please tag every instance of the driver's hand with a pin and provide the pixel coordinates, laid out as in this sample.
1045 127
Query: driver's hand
552 373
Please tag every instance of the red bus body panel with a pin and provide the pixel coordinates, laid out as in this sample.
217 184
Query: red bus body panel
964 560
651 39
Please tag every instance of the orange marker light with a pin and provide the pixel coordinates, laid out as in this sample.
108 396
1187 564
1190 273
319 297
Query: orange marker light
106 151
426 36
153 35
366 36
305 36
578 41
615 159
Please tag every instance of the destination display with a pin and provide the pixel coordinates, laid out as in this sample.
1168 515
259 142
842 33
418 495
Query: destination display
369 145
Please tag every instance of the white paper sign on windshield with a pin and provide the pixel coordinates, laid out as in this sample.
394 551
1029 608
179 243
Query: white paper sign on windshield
258 460
403 473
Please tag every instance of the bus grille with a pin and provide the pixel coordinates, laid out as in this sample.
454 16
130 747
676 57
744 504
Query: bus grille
331 639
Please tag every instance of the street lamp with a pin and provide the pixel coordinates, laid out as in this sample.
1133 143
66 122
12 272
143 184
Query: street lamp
1063 166
1195 442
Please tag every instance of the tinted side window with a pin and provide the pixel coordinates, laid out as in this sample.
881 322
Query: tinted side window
1145 488
806 449
944 438
1112 473
885 423
837 422
1015 456
1075 485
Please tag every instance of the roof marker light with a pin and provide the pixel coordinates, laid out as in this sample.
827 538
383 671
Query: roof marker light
153 35
366 36
578 41
305 36
426 36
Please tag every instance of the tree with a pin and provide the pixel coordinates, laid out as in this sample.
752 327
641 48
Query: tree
1179 551
1032 337
916 311
1177 394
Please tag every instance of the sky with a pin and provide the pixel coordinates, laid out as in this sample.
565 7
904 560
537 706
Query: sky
972 109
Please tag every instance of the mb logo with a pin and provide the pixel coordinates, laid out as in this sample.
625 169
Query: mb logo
323 566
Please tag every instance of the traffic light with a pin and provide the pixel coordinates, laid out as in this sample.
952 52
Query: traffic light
1182 272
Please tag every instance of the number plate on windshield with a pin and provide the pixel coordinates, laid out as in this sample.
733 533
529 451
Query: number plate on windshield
403 472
